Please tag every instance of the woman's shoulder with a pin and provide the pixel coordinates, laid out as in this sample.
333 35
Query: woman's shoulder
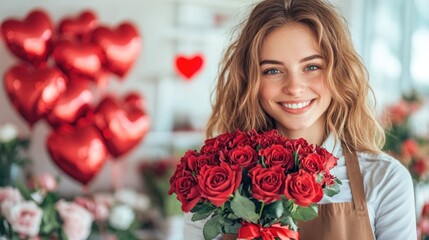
383 167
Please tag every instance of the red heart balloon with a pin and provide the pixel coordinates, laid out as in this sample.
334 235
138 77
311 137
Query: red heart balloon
187 67
123 124
121 47
83 59
79 26
33 91
29 39
73 104
77 150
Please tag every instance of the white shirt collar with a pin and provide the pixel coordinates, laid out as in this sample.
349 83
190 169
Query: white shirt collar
332 145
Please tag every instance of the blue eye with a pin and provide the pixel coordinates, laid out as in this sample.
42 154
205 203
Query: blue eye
271 71
312 68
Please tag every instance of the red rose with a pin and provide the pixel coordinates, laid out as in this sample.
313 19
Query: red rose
301 146
277 155
196 163
178 173
330 160
244 156
303 188
187 191
267 183
410 147
218 183
328 179
242 139
266 139
421 167
217 144
187 158
312 163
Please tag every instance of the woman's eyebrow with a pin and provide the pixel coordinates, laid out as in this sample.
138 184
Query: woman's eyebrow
270 62
276 62
311 58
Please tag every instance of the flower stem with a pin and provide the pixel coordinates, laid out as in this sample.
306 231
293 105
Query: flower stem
262 208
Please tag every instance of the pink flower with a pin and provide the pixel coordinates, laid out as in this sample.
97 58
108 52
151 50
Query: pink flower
25 218
99 211
77 220
8 197
44 181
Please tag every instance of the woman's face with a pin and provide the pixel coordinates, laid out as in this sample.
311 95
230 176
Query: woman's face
293 89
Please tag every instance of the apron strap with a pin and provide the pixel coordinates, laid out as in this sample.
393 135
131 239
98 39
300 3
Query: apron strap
356 181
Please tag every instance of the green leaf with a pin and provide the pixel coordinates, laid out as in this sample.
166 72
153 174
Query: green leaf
287 220
24 191
244 208
332 190
305 213
232 228
212 227
274 210
203 213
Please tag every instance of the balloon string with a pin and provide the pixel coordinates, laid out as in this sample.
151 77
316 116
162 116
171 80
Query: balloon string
116 174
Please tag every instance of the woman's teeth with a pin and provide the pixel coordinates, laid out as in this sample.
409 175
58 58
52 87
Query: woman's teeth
296 105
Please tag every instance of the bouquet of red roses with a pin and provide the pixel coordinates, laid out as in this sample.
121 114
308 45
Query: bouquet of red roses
258 185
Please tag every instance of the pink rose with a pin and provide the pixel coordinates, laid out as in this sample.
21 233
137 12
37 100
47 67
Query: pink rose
8 197
77 220
25 218
44 181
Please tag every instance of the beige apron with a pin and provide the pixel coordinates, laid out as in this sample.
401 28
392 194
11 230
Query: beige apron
339 221
342 221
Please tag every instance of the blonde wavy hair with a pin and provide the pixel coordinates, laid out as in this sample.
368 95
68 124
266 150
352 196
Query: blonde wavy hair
350 115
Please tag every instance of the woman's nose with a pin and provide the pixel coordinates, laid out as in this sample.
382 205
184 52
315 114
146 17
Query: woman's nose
293 85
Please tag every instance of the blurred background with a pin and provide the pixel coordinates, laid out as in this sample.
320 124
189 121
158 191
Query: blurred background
172 76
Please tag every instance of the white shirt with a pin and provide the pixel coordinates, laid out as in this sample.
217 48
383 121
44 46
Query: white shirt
388 189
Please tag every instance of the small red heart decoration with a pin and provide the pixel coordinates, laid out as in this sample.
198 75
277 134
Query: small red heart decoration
83 59
73 104
79 151
123 124
121 47
187 67
33 91
78 27
30 38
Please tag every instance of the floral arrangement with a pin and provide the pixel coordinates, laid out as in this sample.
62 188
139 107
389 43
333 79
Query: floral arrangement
35 211
401 142
258 185
11 153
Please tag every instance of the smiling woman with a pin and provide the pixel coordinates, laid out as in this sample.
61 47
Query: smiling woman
293 68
